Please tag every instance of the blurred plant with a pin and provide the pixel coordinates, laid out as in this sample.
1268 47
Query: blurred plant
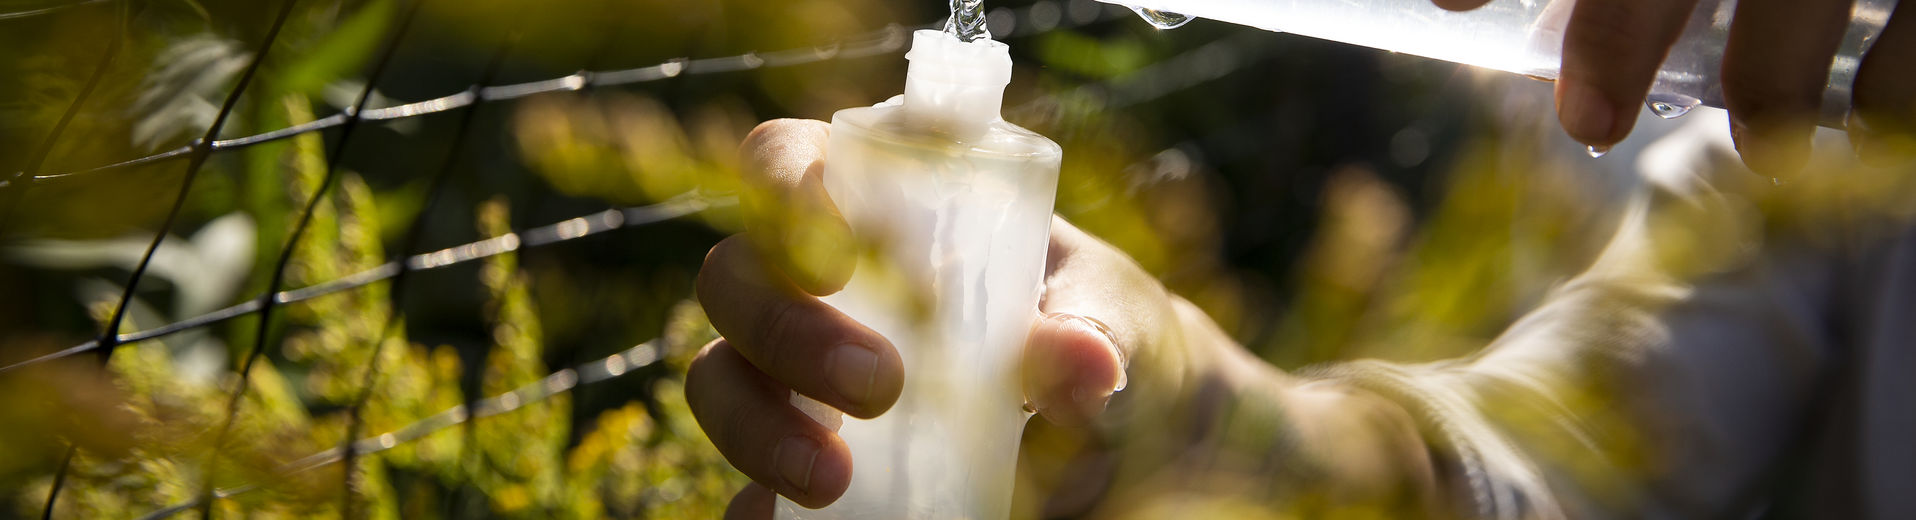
641 459
1414 264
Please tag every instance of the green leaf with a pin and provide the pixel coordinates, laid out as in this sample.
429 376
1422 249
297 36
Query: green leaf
341 53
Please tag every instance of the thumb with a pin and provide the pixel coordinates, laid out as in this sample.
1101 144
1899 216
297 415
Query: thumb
1072 367
1100 312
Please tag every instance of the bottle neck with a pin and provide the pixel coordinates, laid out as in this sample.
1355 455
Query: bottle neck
955 88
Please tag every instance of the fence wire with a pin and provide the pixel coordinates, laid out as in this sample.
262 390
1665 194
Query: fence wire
1180 72
561 231
1026 21
11 195
1034 19
595 371
397 287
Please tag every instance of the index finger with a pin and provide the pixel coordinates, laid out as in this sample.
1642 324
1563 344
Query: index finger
793 220
1611 52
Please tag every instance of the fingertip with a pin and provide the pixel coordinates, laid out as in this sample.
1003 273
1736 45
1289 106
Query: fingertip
1611 52
1072 368
868 379
752 503
1588 114
1777 151
820 250
814 472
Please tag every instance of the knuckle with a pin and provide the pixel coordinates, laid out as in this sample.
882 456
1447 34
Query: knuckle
733 437
699 372
778 324
712 272
773 139
764 132
1614 35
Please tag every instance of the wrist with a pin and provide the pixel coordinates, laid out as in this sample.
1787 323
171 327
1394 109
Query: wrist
1348 446
1228 423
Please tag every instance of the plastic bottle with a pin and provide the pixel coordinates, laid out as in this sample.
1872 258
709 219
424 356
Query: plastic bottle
955 205
1525 37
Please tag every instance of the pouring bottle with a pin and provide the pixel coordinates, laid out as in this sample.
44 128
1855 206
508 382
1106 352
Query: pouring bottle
1525 37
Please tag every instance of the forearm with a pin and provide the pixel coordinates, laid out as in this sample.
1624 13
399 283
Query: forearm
1244 433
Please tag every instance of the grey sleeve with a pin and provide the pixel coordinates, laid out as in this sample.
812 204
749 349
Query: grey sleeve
1664 382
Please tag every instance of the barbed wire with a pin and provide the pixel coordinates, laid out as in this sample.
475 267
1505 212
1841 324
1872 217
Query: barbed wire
561 231
1024 21
263 331
557 232
105 340
11 194
883 41
1043 16
564 380
10 197
1186 70
396 289
1221 53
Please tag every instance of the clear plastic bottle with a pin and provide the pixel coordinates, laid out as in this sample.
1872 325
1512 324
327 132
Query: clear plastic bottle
1525 37
956 206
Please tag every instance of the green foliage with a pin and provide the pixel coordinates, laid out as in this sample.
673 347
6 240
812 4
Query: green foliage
522 462
340 52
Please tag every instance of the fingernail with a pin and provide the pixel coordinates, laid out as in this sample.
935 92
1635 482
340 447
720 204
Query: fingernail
1586 115
854 370
794 457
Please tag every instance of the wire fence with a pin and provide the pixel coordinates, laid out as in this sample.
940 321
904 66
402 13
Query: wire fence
1180 72
595 371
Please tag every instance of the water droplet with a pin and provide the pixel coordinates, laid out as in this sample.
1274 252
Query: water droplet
1671 106
672 68
1596 151
1161 19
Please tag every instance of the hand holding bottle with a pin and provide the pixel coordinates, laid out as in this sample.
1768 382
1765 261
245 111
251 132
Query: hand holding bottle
761 290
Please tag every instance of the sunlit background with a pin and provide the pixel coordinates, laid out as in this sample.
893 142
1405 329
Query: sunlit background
1320 201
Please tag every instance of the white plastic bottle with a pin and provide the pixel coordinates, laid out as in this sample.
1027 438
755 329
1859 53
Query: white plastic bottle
955 205
1525 37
